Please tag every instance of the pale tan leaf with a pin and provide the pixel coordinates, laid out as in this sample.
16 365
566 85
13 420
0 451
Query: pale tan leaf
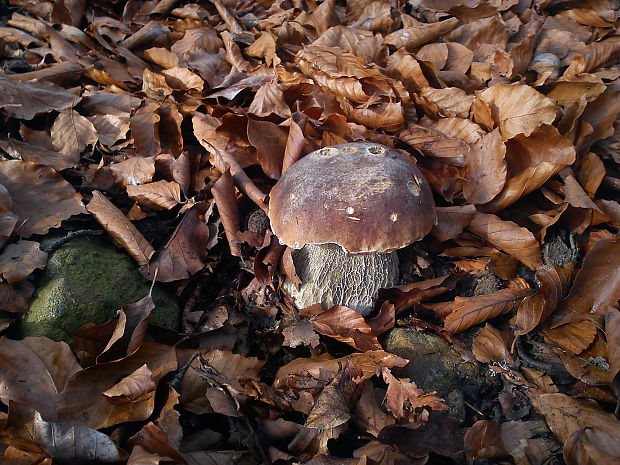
156 195
110 128
134 172
120 228
72 132
412 37
518 109
269 100
450 101
183 79
132 387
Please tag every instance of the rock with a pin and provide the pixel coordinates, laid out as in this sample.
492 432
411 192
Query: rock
435 365
86 281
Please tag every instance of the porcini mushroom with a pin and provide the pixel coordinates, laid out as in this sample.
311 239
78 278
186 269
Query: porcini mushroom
345 210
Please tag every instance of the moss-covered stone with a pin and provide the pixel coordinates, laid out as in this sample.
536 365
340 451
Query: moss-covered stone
87 281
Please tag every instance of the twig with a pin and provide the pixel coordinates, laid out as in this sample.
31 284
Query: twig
222 161
69 237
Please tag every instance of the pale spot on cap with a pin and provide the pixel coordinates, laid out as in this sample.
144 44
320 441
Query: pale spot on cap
394 217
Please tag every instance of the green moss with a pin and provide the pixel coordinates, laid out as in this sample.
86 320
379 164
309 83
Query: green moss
87 281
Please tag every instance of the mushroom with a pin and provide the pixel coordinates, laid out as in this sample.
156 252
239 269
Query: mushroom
345 210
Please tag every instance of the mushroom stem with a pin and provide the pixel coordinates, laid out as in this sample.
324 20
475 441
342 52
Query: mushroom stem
331 276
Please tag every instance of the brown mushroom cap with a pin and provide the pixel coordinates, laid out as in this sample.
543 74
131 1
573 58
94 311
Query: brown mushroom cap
362 196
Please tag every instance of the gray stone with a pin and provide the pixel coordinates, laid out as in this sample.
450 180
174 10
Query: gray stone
86 281
435 365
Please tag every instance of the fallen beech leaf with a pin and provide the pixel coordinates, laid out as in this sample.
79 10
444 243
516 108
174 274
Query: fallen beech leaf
591 173
134 172
346 325
466 312
72 132
18 260
368 413
156 441
612 330
463 128
484 441
387 115
434 143
156 195
300 334
492 345
590 366
330 410
180 78
36 154
451 221
413 37
296 144
589 445
450 101
143 124
186 252
485 169
41 198
265 47
270 142
82 397
132 388
518 109
35 371
554 282
508 237
120 228
565 415
596 286
15 297
573 337
226 200
24 100
403 397
64 440
268 100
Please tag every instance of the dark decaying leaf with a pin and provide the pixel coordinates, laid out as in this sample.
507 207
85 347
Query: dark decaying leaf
24 100
120 228
612 329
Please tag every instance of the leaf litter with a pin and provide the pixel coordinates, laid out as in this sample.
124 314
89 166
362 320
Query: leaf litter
184 115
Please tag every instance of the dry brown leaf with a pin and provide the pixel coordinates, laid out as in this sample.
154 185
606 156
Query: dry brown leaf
110 128
612 331
403 397
590 173
18 260
553 283
508 237
226 200
466 312
270 141
180 78
132 388
566 415
156 195
300 334
413 37
65 441
485 169
120 228
82 397
134 172
15 297
518 109
346 325
265 47
41 198
450 101
185 253
72 132
573 337
492 345
24 100
36 362
143 124
436 144
451 221
36 154
596 287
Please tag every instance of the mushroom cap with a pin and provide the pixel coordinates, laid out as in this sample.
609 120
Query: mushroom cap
362 196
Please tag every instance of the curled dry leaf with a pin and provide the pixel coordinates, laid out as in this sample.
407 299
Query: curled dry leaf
18 260
554 282
466 312
41 198
403 397
451 221
518 109
37 154
450 101
596 287
269 100
413 37
135 171
143 124
485 171
132 388
508 237
40 362
72 132
120 228
573 337
435 144
226 200
346 325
